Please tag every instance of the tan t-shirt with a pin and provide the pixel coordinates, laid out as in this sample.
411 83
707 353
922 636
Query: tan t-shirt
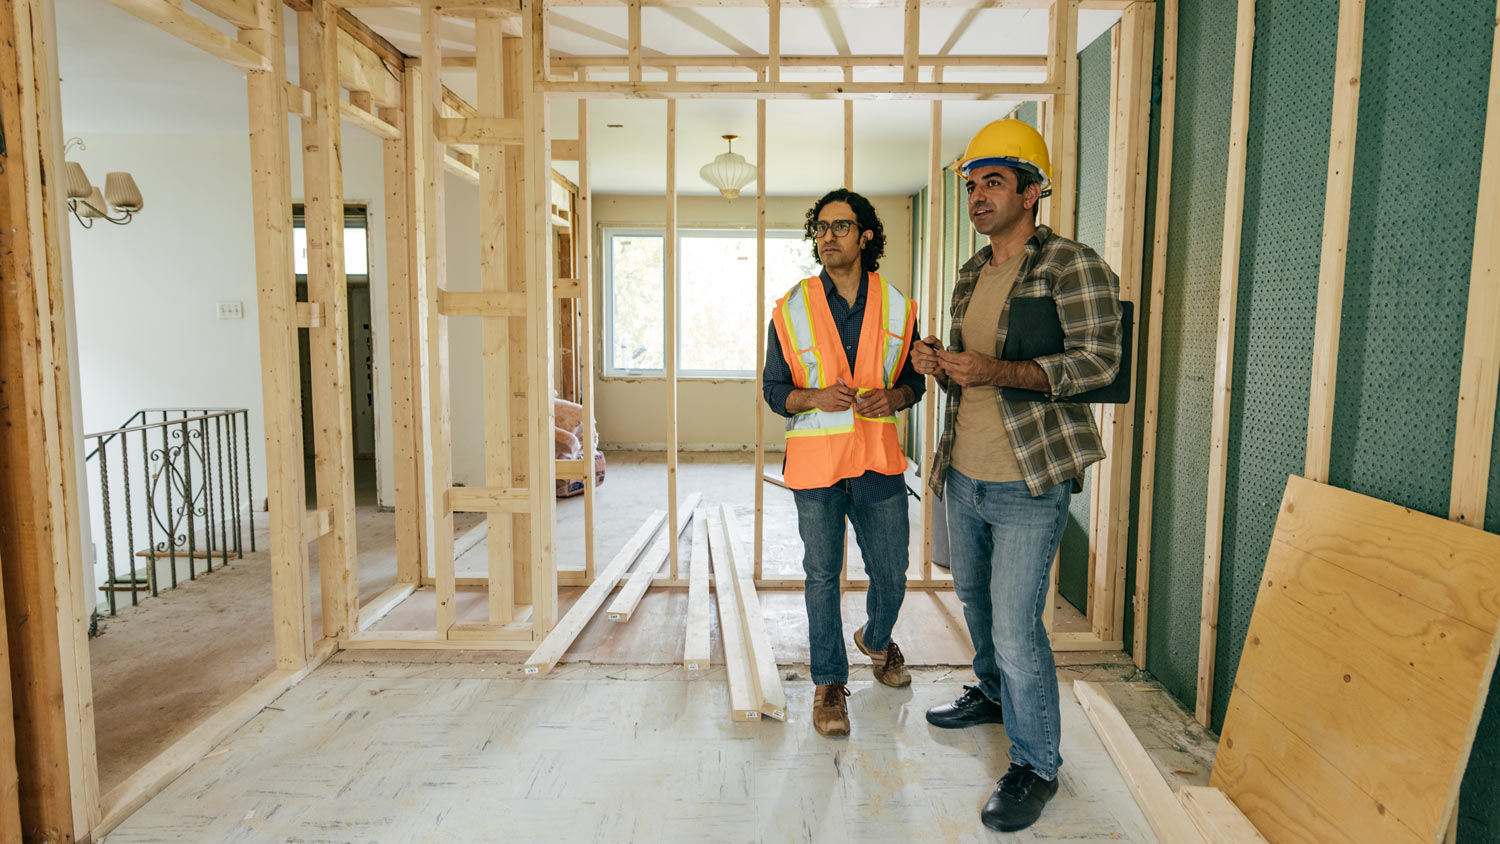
981 448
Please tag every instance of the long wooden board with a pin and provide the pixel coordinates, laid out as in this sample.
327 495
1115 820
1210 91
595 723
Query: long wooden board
561 638
624 604
1364 672
695 652
1217 817
765 676
1167 817
744 705
1229 277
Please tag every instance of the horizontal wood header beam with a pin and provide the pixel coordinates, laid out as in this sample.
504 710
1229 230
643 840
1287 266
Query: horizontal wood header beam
373 40
488 303
173 19
692 63
367 121
1110 5
461 170
463 499
479 130
361 69
805 90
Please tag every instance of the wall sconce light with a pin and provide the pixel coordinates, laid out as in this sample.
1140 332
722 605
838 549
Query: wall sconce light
88 203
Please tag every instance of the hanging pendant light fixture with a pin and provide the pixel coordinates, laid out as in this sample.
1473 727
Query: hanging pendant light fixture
729 171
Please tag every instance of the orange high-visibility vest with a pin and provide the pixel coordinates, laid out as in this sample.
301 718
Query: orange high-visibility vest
823 448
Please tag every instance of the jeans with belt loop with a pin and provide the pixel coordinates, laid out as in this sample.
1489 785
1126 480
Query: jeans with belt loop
1002 542
882 530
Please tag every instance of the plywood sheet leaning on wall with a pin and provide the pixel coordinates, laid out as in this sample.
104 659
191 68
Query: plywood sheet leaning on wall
1365 669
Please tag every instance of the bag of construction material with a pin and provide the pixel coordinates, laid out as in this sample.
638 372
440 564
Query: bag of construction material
567 445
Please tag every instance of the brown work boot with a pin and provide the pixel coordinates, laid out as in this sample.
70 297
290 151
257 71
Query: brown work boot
889 664
830 712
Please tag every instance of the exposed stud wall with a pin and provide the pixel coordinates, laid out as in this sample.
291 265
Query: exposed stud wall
1286 165
1093 175
1200 153
1423 87
1423 96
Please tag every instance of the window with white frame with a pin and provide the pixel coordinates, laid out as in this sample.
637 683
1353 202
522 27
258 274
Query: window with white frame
716 328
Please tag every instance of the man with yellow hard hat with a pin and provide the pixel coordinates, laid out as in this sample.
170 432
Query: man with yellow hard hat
1006 469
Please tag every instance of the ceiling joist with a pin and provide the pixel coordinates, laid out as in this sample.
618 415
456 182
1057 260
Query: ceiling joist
719 34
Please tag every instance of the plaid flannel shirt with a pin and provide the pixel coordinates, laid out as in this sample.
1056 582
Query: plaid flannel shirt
1053 441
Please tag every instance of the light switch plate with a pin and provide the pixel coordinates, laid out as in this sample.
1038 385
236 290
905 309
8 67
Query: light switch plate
231 310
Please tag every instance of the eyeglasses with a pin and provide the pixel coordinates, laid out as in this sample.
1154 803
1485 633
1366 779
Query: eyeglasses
840 227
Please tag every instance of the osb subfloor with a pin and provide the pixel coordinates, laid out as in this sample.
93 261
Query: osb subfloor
162 667
477 753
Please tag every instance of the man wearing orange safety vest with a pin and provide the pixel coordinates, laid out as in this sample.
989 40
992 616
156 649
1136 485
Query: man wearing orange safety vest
838 367
1006 469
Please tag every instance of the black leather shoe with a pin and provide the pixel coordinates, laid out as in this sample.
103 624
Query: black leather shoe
972 707
1018 800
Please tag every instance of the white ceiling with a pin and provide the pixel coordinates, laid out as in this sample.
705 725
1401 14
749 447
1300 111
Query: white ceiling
122 75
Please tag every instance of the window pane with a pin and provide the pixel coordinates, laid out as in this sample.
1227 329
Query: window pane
636 302
717 313
718 296
356 252
788 261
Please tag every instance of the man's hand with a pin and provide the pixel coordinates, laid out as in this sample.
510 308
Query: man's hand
832 399
924 356
970 369
878 403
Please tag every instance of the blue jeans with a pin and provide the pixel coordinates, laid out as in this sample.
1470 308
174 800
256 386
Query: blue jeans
1002 542
881 529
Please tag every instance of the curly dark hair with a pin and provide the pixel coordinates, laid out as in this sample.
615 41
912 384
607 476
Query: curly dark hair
864 216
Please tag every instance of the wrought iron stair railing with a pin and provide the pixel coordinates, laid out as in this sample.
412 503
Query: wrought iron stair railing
189 496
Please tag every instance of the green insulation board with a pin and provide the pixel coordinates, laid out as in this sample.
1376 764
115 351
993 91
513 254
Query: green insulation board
1142 320
1026 113
1286 167
1093 178
1199 161
1419 144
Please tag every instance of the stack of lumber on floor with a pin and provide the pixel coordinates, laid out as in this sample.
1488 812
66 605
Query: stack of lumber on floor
719 560
754 682
1365 670
552 648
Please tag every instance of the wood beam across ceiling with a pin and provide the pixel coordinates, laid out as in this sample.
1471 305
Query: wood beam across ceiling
377 43
689 63
806 90
1106 5
173 19
703 25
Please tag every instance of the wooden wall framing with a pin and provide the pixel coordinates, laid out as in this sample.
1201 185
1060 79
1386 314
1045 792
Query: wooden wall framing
506 148
51 730
1229 258
1152 389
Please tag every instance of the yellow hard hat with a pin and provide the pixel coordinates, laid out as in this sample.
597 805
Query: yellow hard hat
1008 143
